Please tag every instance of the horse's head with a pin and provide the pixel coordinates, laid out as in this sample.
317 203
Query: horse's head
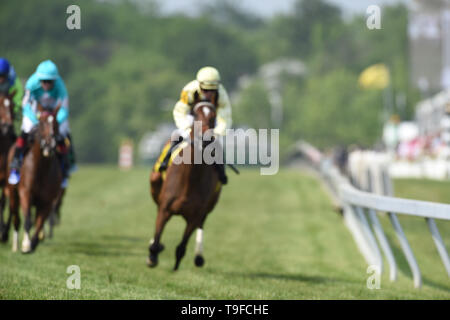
47 129
205 112
6 112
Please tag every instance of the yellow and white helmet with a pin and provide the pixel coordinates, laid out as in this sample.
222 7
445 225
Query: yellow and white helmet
209 78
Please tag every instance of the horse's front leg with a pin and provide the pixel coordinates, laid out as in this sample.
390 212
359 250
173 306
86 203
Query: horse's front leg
14 212
26 207
155 244
51 223
181 248
42 212
199 260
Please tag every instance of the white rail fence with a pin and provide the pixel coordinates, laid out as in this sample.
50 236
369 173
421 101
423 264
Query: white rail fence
368 193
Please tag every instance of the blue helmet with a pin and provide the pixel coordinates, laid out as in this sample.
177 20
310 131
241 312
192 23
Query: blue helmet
47 70
4 66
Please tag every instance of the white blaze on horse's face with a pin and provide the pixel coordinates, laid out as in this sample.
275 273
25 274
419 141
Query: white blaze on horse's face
6 103
206 111
50 119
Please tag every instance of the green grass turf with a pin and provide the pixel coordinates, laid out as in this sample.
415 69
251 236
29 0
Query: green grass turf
270 237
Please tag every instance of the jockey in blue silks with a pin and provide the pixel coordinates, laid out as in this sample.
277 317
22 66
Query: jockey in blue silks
45 87
10 83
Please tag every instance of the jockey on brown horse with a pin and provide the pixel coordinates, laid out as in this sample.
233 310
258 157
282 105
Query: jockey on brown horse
41 177
47 88
207 86
11 93
191 188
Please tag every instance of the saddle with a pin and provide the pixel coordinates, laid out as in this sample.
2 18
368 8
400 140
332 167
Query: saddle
163 154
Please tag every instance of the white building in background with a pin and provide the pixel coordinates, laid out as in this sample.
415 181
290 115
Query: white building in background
429 38
151 143
433 116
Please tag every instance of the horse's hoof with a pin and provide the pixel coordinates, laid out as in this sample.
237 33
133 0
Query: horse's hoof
34 243
26 246
27 251
41 235
152 263
157 249
4 237
199 261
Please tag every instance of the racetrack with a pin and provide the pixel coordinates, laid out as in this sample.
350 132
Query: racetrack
270 237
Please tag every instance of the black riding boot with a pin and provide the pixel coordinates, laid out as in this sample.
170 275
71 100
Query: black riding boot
64 163
62 153
20 151
165 162
63 157
72 159
220 167
16 163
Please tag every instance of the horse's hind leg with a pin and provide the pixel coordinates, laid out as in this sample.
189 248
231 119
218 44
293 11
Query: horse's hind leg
4 228
181 248
155 246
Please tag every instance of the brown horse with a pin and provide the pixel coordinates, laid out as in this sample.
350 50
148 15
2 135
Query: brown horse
7 138
41 177
191 190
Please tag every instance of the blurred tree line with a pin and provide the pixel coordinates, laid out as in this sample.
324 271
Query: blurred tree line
126 66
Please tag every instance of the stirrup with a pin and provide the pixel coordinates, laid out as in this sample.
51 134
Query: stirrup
14 177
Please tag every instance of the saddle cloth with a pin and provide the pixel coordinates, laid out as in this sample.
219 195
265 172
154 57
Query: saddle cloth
175 153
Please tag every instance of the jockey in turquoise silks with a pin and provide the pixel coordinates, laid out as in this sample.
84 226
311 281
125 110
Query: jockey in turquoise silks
47 88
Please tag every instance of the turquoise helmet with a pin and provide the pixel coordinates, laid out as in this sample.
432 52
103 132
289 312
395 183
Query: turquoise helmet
47 70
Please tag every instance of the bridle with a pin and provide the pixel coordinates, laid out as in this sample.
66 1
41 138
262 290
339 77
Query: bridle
204 104
47 146
194 110
7 126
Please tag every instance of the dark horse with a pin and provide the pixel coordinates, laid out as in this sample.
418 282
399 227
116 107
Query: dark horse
41 177
191 190
7 138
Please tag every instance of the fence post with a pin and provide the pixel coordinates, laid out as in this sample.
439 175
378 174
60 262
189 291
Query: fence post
407 251
439 243
384 243
353 223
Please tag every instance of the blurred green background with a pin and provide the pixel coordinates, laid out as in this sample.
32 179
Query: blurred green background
127 65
